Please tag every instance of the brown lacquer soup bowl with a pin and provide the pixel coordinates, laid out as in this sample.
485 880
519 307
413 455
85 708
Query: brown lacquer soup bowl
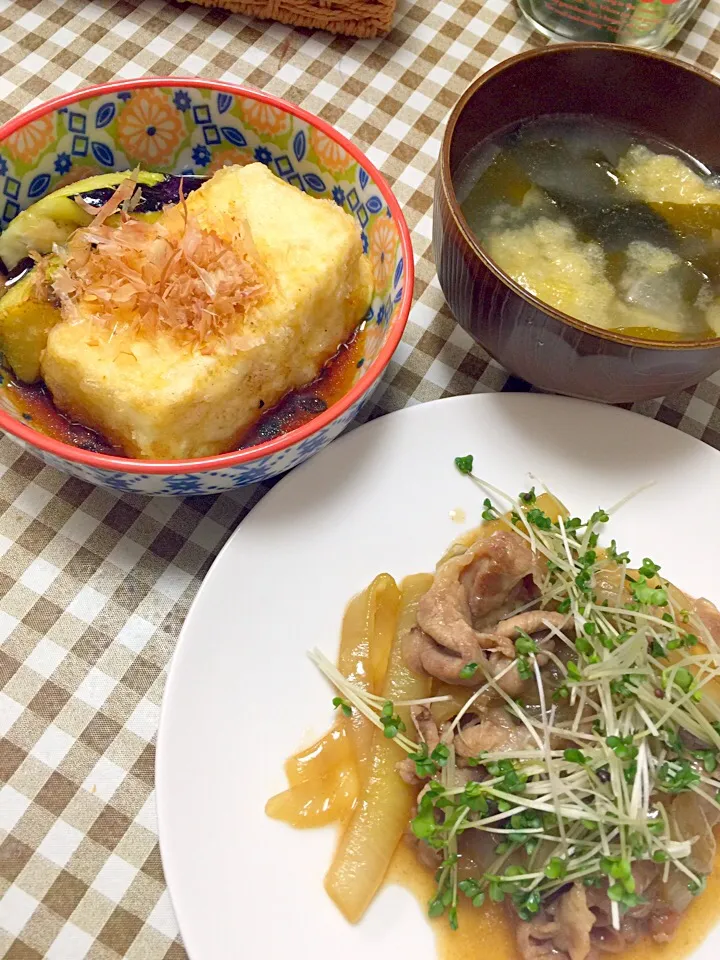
665 99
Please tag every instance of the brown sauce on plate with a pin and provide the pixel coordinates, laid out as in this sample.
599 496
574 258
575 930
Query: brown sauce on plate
35 405
489 933
323 789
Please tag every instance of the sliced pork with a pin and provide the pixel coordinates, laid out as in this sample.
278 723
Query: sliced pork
473 590
560 933
497 732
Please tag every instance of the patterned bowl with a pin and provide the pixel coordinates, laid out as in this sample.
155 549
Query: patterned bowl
196 126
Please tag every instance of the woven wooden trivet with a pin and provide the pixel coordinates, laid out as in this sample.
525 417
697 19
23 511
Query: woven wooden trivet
355 18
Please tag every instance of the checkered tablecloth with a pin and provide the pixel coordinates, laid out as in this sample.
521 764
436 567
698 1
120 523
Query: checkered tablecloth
94 586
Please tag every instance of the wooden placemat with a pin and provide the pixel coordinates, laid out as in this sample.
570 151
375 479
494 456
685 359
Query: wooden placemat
355 18
94 586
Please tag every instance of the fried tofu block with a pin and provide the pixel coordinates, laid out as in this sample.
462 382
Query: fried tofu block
158 398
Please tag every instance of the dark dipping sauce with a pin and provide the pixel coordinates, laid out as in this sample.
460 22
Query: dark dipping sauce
35 404
301 406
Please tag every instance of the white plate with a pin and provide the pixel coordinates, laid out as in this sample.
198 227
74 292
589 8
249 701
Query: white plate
242 696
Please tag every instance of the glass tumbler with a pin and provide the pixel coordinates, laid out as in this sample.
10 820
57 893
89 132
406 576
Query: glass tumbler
639 23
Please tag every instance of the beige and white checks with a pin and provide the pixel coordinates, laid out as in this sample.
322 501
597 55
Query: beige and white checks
94 587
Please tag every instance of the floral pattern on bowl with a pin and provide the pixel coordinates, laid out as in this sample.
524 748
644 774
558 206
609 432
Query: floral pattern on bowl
197 127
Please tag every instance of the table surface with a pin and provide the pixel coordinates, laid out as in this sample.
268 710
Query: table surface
94 586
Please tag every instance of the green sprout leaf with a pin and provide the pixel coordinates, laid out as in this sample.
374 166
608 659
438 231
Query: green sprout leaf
648 596
539 519
676 776
525 645
464 464
342 704
392 724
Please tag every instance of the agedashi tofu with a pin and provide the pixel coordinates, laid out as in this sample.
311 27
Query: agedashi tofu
176 333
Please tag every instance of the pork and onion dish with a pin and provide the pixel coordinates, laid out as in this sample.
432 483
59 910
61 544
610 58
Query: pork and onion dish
539 720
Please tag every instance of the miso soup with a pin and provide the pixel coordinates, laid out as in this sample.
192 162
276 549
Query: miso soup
609 226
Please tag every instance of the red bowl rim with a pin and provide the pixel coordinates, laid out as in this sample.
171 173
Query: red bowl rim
104 461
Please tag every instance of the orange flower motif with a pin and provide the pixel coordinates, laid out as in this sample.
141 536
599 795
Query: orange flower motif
374 339
383 244
332 156
225 158
265 118
27 143
150 129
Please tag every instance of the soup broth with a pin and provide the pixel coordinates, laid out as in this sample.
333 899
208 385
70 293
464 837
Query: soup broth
612 227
